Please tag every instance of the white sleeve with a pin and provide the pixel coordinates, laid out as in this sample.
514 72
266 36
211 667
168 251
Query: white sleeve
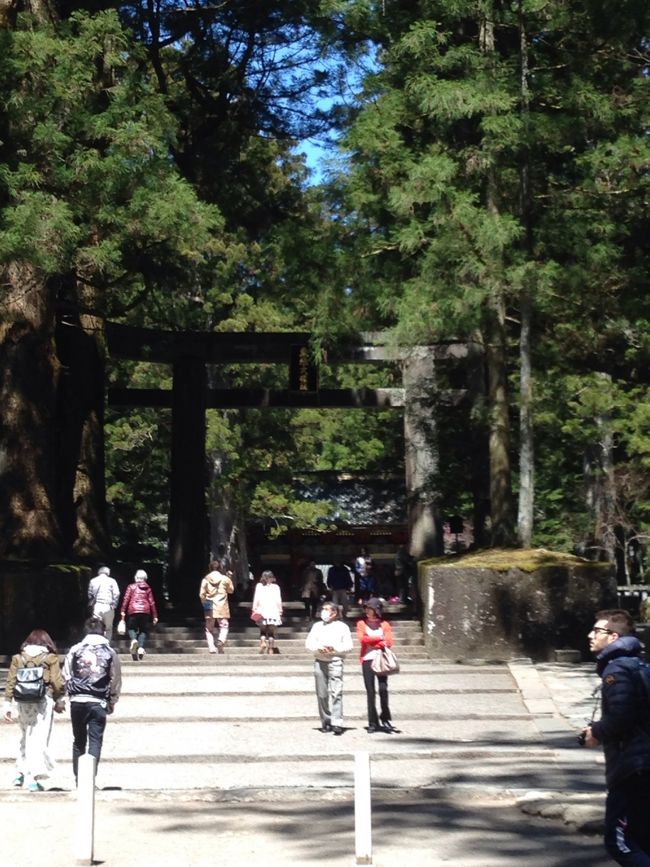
345 639
311 642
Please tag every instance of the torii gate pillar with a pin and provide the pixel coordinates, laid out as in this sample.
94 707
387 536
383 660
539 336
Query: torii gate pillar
421 453
188 532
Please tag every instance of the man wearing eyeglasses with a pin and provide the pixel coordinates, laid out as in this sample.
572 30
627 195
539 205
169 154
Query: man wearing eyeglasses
624 731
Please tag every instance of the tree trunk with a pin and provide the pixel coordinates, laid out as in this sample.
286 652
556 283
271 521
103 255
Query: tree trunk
526 431
501 499
421 454
82 499
526 439
479 439
27 424
227 526
600 488
221 514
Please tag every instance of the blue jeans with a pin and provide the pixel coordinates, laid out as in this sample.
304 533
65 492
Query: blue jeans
627 832
138 627
88 724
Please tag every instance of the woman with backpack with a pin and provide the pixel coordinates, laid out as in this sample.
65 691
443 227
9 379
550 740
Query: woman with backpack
31 698
139 610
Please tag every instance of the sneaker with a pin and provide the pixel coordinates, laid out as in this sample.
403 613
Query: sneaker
19 779
220 647
388 727
35 787
338 730
326 727
141 652
134 650
371 729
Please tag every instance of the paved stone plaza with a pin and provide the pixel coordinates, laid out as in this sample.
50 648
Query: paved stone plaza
214 758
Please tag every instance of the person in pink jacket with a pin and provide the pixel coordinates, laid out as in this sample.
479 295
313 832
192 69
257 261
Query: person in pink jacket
374 633
139 609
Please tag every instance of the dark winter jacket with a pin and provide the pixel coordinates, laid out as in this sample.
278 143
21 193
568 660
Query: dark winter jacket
624 725
92 671
339 578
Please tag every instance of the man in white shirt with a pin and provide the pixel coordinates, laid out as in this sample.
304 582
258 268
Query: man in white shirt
103 596
329 640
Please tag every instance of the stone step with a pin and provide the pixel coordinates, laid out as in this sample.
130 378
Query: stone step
235 640
294 681
405 628
188 637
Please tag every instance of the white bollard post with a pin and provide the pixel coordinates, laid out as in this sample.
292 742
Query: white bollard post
85 810
362 809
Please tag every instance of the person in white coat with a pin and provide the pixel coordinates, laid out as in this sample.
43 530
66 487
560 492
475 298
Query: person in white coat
329 640
267 607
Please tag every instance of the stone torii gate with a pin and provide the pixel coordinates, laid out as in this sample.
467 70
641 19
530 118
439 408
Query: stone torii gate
189 355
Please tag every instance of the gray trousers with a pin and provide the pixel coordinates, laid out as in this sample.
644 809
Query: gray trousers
329 690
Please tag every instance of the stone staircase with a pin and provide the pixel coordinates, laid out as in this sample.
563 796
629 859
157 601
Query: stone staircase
185 636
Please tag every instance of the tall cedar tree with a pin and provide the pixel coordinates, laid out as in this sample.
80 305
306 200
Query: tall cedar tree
94 216
487 175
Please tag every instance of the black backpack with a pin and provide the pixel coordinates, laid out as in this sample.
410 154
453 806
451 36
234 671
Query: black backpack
30 684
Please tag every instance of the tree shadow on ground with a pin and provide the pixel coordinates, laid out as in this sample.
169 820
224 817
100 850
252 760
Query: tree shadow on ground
415 828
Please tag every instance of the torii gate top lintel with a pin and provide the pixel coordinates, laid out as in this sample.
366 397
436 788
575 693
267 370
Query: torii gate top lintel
262 347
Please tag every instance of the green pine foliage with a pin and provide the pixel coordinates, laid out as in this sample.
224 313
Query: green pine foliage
87 183
464 98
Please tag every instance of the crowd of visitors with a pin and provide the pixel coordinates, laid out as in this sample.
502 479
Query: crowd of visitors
36 685
91 676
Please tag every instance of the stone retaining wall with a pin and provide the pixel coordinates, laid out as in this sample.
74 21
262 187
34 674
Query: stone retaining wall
471 612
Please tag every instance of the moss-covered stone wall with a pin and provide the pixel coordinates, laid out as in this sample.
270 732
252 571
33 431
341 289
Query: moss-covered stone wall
508 604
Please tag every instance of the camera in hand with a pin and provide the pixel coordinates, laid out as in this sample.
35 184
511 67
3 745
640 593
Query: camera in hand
582 738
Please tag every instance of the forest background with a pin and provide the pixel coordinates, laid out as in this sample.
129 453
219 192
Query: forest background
488 181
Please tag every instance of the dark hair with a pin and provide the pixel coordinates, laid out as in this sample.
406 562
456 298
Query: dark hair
618 620
40 637
332 607
94 626
375 604
267 577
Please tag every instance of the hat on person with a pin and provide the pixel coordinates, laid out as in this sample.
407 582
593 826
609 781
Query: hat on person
103 570
141 575
375 604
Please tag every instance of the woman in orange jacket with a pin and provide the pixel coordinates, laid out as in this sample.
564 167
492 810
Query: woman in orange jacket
374 634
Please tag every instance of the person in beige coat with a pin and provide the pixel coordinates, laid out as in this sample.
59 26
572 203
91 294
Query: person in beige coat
215 589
